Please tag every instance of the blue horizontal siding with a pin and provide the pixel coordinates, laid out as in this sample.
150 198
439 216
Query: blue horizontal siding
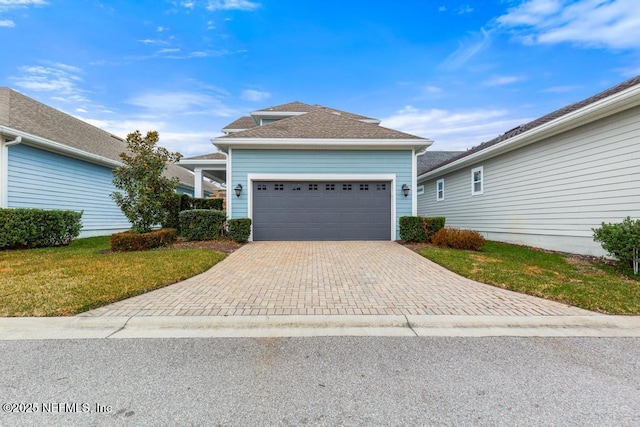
315 162
45 180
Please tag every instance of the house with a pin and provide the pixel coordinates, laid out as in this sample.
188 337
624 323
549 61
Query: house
547 183
309 172
51 160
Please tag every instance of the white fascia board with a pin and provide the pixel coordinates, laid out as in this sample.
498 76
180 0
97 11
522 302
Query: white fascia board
56 147
613 104
228 131
372 121
209 164
277 113
393 144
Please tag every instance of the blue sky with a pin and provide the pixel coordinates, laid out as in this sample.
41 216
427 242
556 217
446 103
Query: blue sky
457 72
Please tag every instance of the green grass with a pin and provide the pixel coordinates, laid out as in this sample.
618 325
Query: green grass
68 280
587 284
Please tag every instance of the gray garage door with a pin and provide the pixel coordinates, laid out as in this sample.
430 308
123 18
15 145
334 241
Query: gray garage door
321 210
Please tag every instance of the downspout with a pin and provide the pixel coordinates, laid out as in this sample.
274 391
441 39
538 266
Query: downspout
4 166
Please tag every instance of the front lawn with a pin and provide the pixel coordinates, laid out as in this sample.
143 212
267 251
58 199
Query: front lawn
577 281
68 280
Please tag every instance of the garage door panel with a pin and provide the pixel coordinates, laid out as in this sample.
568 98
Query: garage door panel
321 211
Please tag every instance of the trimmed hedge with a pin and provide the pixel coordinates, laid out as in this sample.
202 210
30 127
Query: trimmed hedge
455 238
183 202
420 229
37 228
202 224
128 241
239 229
206 203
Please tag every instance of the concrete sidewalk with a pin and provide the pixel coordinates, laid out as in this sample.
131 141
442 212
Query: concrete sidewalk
309 325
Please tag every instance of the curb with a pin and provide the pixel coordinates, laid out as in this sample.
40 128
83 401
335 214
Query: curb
311 325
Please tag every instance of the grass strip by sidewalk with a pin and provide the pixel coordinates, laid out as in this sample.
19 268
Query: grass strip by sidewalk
573 280
68 280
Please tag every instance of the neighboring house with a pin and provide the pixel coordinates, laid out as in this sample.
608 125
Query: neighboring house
308 172
51 160
549 182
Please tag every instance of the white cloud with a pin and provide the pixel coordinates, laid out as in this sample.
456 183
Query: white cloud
502 80
255 95
162 103
15 4
7 23
467 49
465 9
453 130
613 24
60 78
188 4
442 9
560 89
161 29
232 4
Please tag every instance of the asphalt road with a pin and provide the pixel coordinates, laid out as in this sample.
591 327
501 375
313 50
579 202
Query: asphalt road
321 381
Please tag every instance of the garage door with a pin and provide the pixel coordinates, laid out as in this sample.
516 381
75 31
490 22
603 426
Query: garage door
321 210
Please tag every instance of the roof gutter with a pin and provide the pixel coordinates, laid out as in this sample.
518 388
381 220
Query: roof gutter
613 104
56 147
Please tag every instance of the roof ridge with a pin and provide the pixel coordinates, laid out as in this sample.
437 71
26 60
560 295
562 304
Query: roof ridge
556 114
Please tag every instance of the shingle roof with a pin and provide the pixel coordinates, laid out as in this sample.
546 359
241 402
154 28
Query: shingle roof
244 122
211 156
430 159
25 114
320 124
301 107
542 120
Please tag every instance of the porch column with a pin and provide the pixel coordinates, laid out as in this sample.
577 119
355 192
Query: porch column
197 183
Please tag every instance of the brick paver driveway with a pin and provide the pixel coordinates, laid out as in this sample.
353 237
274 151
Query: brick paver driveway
330 278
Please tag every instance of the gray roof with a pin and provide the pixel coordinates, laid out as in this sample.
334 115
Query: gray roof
244 122
25 114
301 107
430 159
320 123
212 156
540 121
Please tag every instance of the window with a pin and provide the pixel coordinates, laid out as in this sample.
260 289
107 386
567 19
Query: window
440 189
313 187
381 187
330 187
364 187
346 187
420 190
262 187
477 178
278 187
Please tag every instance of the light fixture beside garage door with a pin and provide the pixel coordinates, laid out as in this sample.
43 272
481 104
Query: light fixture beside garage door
405 190
238 190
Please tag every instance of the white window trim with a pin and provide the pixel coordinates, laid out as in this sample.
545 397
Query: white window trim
473 187
420 190
438 198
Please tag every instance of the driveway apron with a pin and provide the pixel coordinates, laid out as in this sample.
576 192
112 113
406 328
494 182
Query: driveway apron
281 278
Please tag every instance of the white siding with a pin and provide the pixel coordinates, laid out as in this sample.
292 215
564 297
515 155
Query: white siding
550 194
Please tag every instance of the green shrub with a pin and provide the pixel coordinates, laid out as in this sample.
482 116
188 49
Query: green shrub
36 228
128 241
458 239
418 228
621 240
202 224
173 207
185 202
206 203
239 229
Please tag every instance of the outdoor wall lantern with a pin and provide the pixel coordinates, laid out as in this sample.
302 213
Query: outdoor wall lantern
238 190
405 190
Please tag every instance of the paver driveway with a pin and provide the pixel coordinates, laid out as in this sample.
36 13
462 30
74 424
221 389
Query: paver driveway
330 278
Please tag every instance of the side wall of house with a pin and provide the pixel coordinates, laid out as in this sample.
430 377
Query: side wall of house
321 162
46 180
550 194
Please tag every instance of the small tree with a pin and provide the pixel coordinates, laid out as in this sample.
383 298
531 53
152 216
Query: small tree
141 178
